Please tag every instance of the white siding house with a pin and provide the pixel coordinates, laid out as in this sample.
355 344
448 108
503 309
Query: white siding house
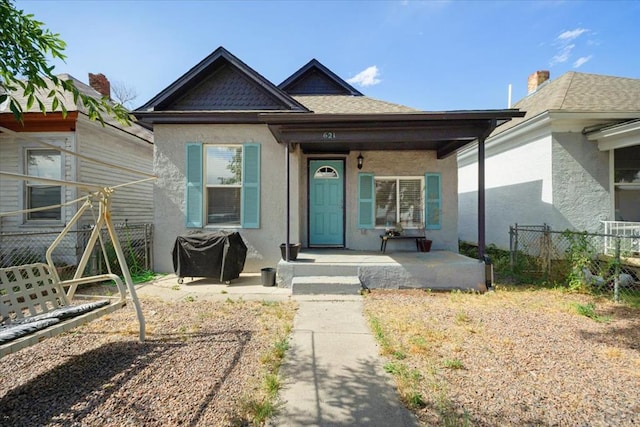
21 152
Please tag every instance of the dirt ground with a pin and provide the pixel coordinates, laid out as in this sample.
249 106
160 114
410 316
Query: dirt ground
511 358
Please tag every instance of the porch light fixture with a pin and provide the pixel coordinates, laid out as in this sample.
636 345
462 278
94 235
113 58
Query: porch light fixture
360 161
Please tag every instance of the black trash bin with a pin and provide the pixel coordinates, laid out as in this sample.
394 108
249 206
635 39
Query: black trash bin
268 276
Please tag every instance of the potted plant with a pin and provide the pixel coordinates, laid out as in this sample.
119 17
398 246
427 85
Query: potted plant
294 248
424 245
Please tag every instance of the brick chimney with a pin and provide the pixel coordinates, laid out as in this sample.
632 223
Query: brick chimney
100 83
535 80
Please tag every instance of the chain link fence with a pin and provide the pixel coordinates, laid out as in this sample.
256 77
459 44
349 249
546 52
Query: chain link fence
136 242
599 263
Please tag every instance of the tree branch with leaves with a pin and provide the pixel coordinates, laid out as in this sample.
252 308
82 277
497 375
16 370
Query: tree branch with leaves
25 44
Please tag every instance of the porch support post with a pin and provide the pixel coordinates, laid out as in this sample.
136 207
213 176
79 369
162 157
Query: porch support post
288 216
481 202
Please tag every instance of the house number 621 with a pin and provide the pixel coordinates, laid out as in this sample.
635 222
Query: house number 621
329 135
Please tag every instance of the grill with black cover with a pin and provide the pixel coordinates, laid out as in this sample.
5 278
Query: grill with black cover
219 255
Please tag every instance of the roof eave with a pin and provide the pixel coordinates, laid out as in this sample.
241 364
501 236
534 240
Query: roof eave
291 118
199 117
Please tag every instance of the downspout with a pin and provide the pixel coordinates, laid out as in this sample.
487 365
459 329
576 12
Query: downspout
481 201
288 168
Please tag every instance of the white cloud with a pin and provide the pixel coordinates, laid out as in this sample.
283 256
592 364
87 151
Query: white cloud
563 54
367 77
567 36
581 61
565 44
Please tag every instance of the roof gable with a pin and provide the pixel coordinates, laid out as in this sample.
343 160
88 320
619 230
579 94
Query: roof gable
221 82
316 79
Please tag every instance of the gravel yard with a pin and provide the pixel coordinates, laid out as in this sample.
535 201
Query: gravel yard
507 358
202 364
511 358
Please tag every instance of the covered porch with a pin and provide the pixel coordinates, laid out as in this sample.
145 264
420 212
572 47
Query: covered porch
346 271
382 142
341 135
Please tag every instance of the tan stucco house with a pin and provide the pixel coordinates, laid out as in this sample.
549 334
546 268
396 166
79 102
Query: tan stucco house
311 160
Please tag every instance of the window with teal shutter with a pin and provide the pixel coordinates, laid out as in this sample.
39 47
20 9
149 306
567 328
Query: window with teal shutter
433 201
251 186
193 196
365 200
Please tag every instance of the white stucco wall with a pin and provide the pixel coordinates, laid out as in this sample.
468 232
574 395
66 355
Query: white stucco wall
518 189
556 178
581 183
169 191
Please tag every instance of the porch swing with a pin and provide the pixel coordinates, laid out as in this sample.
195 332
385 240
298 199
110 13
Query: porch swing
35 303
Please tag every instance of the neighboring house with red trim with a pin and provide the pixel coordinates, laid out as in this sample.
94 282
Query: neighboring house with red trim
572 162
114 144
311 160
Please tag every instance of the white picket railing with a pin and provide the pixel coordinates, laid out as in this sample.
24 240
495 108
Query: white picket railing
628 229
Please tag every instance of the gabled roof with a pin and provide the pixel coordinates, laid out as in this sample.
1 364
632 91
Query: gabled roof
64 97
34 114
580 92
316 79
221 82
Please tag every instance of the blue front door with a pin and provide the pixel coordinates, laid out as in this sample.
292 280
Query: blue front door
326 203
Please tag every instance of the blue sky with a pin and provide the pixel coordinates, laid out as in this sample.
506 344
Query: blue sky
433 55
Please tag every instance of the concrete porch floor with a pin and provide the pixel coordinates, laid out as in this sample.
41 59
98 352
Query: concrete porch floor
391 270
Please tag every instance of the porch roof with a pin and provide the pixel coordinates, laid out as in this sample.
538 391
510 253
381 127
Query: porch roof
445 132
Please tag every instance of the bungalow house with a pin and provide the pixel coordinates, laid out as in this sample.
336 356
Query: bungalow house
311 160
22 152
572 162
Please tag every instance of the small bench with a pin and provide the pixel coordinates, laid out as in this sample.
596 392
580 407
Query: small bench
420 241
34 305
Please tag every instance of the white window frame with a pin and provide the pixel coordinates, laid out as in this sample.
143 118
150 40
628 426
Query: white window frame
25 194
207 186
398 179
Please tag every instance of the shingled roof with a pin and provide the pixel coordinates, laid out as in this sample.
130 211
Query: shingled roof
580 92
347 104
66 98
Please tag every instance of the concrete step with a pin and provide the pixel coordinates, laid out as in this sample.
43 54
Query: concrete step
325 285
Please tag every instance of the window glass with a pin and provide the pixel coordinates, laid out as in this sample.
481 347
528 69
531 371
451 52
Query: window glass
43 164
224 185
627 165
410 203
399 200
326 172
386 203
224 165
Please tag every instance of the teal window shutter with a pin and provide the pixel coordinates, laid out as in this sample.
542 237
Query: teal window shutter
433 201
366 200
193 195
251 186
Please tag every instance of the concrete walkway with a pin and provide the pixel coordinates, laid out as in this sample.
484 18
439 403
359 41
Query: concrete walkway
247 287
332 373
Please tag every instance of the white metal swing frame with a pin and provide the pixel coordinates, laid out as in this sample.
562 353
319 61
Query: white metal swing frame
103 196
